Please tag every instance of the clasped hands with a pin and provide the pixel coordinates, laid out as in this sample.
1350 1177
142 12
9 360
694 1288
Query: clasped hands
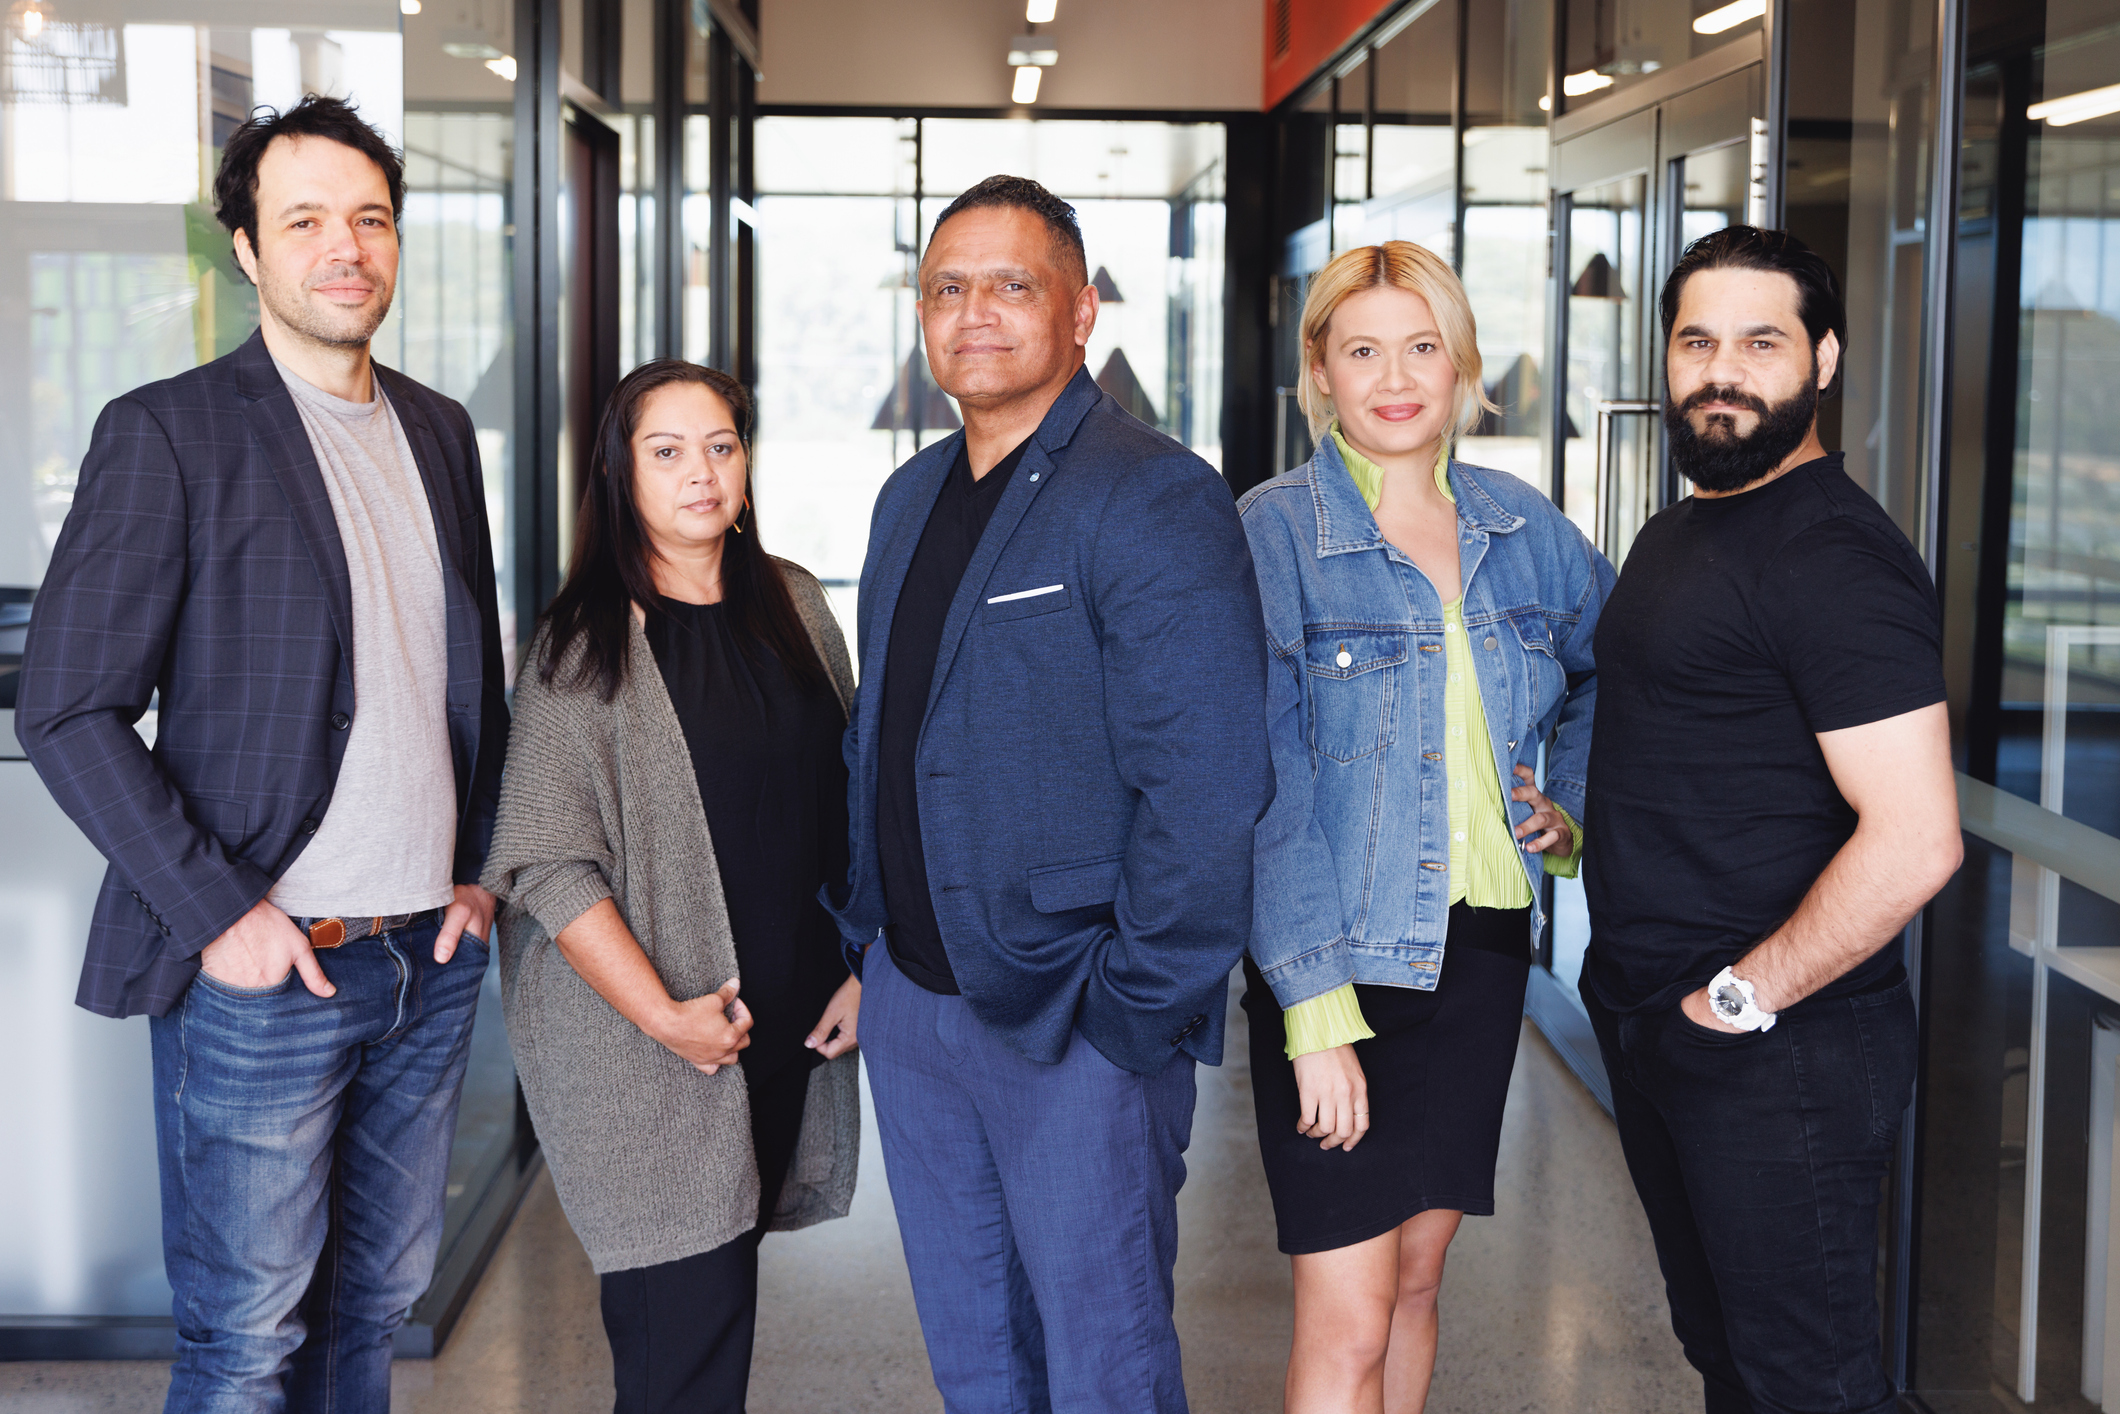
709 1032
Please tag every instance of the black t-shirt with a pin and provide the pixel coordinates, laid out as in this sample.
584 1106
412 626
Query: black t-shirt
1742 627
773 781
946 545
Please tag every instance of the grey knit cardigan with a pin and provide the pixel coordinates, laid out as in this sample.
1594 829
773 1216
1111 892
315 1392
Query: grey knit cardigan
652 1158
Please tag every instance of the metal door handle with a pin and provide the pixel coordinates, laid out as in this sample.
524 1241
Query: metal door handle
1606 411
1281 397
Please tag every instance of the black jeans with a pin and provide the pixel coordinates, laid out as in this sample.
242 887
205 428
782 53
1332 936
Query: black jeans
1760 1159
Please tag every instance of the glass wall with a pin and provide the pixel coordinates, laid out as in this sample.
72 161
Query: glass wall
844 207
1412 175
1860 159
114 273
2017 1272
1505 219
1398 114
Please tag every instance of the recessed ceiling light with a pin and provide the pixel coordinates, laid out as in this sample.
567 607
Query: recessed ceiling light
1026 90
1040 12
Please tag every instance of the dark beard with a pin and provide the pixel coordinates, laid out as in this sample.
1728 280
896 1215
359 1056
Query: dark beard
1719 459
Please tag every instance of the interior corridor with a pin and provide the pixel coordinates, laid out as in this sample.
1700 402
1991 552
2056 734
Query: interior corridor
1553 1305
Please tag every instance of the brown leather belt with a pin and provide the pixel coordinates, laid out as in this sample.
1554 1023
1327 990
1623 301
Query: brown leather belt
335 932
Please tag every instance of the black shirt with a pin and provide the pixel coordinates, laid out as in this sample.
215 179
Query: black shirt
946 545
1741 627
772 778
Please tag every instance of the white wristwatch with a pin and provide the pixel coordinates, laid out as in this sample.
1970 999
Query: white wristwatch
1735 1005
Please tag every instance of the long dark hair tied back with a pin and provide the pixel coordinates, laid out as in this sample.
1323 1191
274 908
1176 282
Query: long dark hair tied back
611 570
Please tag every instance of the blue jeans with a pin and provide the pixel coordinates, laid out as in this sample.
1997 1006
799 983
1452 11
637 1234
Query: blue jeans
1760 1160
304 1146
1037 1204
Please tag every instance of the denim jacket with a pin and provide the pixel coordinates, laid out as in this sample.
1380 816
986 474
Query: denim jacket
1352 869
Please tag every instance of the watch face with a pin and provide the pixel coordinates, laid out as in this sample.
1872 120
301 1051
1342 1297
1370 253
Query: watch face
1728 1001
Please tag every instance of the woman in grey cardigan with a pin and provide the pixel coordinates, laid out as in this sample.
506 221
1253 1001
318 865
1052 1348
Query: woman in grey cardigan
681 1014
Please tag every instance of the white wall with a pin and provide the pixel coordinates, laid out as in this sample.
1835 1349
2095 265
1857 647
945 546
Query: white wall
1195 54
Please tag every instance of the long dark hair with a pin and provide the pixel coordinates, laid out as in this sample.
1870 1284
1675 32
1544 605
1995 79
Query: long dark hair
610 571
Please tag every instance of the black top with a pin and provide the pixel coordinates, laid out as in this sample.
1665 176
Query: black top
766 752
1741 627
946 545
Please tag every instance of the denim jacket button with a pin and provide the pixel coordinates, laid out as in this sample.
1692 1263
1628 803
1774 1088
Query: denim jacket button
1346 659
1489 644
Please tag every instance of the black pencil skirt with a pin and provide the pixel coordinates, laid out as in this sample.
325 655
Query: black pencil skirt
1438 1071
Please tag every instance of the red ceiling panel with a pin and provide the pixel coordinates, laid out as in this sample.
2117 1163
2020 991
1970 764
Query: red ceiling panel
1302 34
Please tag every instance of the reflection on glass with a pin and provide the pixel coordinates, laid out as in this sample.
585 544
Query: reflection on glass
1605 274
2029 567
1614 46
1504 263
1413 196
1717 184
114 273
636 239
1505 278
696 213
451 313
1350 183
1857 192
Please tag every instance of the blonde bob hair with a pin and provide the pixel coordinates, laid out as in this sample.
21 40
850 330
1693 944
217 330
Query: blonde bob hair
1405 266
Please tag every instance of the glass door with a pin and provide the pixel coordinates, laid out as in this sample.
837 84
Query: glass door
1629 194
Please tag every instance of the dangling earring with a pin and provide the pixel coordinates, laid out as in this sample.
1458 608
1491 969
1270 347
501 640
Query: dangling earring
737 524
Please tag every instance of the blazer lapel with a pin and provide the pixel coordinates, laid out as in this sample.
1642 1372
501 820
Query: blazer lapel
277 425
1033 474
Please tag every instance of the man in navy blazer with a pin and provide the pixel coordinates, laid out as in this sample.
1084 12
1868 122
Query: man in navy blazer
1058 755
287 548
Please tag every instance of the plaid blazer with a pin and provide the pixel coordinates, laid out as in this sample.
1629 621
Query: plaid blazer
201 560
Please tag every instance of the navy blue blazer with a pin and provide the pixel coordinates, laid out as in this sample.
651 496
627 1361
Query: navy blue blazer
201 560
1093 759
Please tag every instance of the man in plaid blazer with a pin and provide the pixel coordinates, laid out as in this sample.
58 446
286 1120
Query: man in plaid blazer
288 547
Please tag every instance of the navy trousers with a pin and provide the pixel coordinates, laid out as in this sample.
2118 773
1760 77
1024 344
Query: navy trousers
1037 1204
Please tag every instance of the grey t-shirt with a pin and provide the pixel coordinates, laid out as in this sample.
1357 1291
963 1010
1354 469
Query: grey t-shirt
387 843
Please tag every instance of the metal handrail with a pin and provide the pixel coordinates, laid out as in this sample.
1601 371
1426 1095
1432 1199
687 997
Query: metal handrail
1607 410
2077 852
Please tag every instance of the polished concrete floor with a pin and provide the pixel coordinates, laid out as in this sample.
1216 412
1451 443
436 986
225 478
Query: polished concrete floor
1553 1305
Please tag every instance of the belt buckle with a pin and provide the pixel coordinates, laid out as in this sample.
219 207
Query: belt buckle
327 933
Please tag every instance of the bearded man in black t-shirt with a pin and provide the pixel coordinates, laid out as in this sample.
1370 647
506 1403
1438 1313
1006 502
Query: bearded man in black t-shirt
1770 801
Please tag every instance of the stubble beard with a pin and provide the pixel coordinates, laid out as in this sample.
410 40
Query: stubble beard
336 327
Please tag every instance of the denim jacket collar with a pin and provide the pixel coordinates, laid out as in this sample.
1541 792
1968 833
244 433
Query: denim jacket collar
1346 523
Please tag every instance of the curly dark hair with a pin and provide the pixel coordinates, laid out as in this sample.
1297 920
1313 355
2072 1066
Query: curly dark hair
235 188
1023 194
1818 301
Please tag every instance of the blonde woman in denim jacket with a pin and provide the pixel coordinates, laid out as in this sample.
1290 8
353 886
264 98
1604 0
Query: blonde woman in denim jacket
1431 627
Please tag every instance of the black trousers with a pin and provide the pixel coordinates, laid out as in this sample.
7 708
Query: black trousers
681 1331
1760 1159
